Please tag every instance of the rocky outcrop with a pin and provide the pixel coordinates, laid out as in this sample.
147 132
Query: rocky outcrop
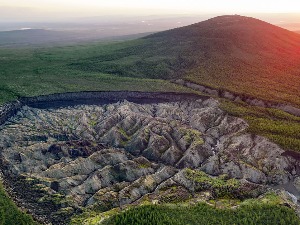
8 110
116 154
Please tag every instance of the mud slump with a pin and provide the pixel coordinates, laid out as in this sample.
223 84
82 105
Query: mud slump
64 154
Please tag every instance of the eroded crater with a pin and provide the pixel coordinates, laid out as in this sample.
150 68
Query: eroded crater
62 159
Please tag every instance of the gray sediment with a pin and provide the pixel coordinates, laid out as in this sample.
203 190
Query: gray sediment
240 97
7 110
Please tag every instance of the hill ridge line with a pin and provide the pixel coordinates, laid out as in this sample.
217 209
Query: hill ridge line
239 97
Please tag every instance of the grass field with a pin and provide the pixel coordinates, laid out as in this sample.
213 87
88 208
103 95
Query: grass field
37 71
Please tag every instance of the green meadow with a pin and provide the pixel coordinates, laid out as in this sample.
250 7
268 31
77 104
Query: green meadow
39 71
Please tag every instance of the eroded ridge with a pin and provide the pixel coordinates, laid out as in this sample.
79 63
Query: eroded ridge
116 154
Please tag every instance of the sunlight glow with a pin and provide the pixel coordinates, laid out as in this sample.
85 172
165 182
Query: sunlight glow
135 7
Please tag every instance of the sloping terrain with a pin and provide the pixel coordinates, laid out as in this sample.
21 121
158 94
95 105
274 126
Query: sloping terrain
240 54
10 213
236 53
48 37
201 53
60 161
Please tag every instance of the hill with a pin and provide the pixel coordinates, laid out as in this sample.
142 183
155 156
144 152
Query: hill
233 62
240 54
48 37
28 36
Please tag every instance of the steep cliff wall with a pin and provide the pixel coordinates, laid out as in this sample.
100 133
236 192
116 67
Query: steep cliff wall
75 98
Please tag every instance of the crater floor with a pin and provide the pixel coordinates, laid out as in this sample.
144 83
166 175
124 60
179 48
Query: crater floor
60 160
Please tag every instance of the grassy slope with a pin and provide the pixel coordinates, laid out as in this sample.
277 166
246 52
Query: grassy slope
36 71
10 214
240 54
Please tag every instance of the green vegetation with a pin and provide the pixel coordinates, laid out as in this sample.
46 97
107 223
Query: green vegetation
239 54
10 214
234 62
140 65
192 136
251 213
39 71
269 209
91 217
219 187
280 127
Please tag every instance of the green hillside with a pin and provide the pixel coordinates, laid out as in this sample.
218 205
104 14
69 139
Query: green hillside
236 53
35 71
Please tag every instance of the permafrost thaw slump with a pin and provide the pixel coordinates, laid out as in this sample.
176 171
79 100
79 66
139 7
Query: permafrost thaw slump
61 159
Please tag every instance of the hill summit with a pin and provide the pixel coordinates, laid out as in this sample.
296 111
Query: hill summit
237 53
228 34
